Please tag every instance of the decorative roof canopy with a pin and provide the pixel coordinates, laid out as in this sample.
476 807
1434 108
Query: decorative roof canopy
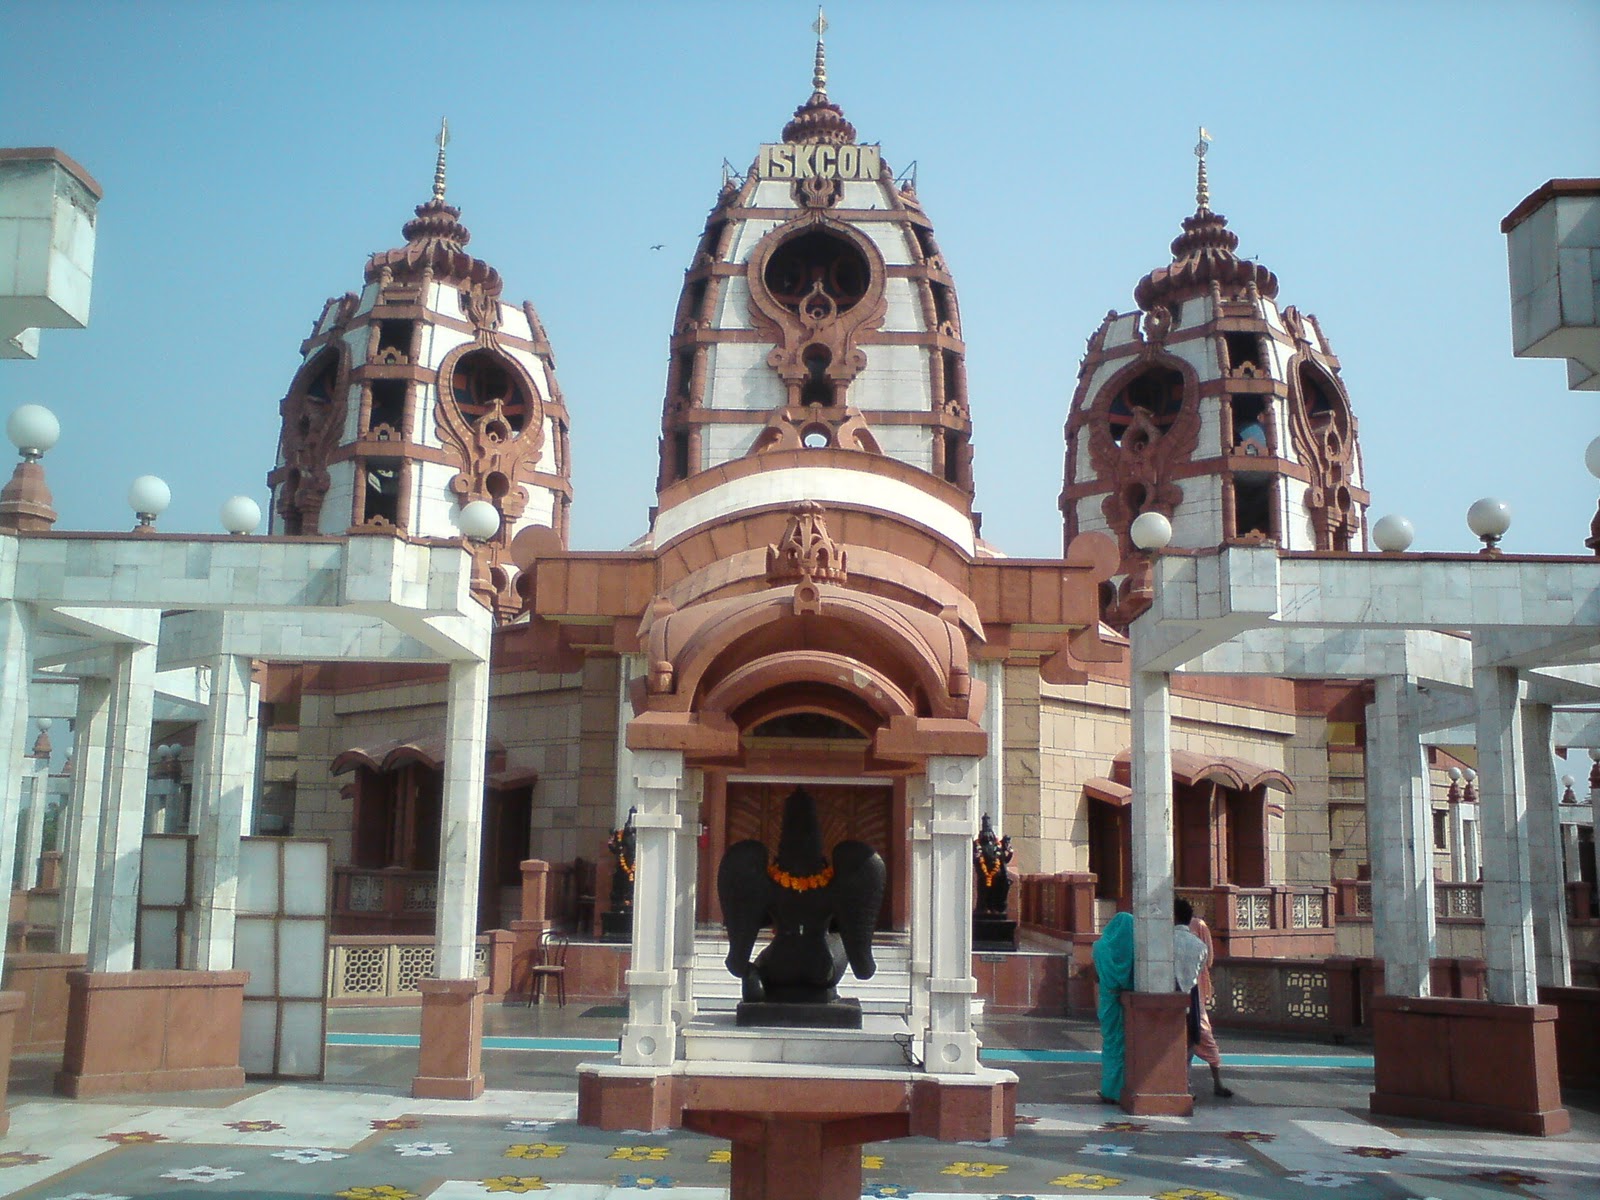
1203 254
820 119
436 241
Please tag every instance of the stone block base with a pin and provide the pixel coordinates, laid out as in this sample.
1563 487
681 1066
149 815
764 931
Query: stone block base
1577 1033
10 1004
41 980
1157 1057
838 1014
1467 1062
450 1060
152 1031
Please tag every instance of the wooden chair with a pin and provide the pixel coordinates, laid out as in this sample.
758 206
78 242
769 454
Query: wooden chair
552 966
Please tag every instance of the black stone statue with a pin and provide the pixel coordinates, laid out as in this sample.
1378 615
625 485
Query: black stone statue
990 856
822 918
617 923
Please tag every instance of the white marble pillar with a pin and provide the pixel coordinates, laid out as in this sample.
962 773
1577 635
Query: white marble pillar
80 840
629 668
650 1036
461 820
16 673
1150 708
1507 890
115 917
1460 831
33 823
952 1047
1573 872
225 778
686 895
1400 837
1552 953
920 856
992 769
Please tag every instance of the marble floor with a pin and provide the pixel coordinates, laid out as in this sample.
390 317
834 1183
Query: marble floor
1296 1128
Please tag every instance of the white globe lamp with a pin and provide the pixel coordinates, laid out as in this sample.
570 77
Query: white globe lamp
1150 532
33 429
240 515
479 520
1393 534
1489 519
149 497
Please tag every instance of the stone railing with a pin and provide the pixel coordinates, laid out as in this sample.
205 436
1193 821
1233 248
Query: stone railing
388 900
375 970
1451 901
1062 904
1327 997
1266 922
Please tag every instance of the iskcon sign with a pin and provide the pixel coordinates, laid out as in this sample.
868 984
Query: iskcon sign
807 161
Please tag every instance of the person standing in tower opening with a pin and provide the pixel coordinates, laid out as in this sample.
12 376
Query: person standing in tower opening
1113 968
1192 941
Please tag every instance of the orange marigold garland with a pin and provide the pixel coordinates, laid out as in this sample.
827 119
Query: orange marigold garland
799 883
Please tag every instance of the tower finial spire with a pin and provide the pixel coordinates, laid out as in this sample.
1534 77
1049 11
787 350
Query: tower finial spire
443 140
819 73
1202 189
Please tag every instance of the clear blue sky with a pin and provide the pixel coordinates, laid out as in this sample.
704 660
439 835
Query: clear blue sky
253 155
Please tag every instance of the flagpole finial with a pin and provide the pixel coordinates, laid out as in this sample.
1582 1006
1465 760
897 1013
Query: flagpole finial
1202 189
819 73
442 141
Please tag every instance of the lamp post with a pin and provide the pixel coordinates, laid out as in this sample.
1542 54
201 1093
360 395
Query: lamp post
25 502
240 515
1393 534
1591 459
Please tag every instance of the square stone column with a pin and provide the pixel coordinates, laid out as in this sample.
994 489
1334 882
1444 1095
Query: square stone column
1400 837
1150 708
686 896
115 916
226 779
650 1038
450 1056
33 823
461 820
920 857
952 1047
1551 951
16 673
80 841
1507 888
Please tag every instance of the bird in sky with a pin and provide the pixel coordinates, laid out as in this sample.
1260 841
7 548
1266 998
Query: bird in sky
659 246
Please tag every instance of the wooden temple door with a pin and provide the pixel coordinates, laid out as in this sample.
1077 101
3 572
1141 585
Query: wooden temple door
860 811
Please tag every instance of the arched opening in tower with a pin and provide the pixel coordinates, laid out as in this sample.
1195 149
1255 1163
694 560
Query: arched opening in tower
480 381
817 262
1158 393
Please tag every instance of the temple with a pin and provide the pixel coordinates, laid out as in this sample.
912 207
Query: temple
378 752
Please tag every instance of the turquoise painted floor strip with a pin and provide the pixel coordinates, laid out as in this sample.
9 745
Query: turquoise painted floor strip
1348 1062
559 1045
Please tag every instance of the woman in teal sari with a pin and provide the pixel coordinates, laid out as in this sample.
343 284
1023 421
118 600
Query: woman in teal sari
1113 965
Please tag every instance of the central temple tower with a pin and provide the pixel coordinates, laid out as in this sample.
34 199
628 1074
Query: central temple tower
818 316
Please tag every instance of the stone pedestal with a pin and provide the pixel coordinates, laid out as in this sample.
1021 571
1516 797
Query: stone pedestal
10 1002
993 933
838 1014
1157 1063
796 1157
1577 1033
450 1060
796 1131
1467 1062
616 926
151 1031
41 981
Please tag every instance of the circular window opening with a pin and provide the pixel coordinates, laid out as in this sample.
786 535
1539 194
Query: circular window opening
815 439
497 485
479 381
817 264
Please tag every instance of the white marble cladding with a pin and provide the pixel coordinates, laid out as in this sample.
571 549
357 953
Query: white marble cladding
723 443
826 485
1554 258
897 378
738 377
47 229
904 314
911 444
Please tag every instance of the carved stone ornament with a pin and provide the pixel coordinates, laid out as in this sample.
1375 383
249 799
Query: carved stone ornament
313 421
1323 434
806 553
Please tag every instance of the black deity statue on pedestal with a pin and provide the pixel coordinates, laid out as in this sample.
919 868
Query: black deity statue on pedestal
822 916
990 856
616 925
